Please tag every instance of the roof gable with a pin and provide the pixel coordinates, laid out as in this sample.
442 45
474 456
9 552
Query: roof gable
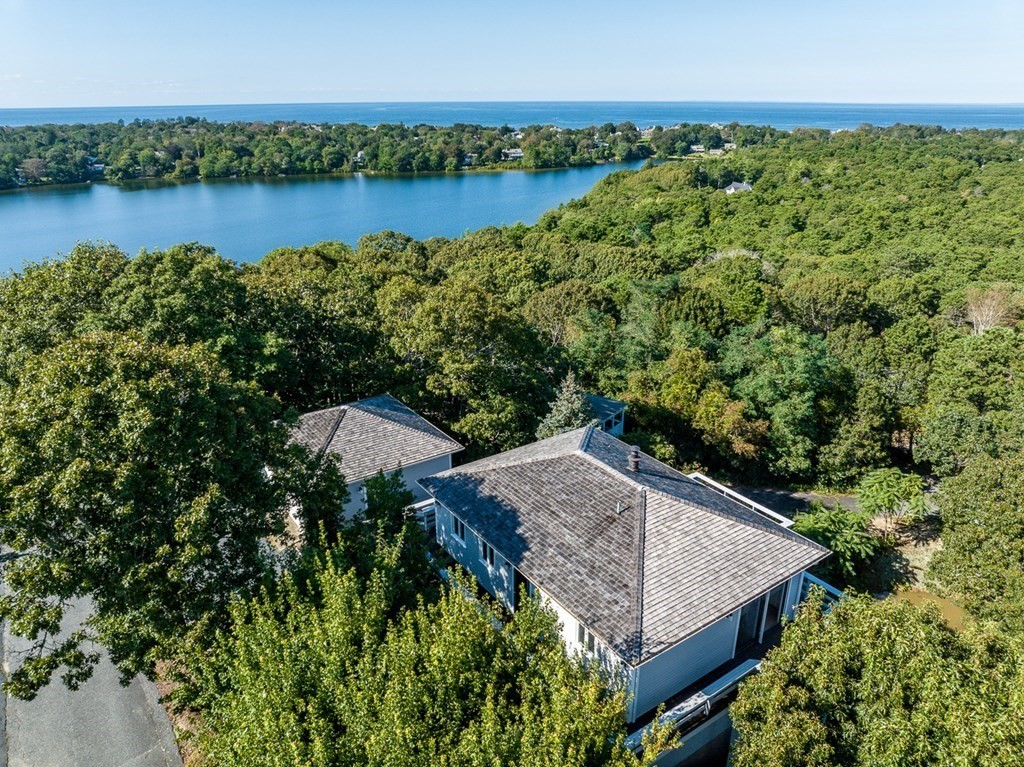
376 434
643 558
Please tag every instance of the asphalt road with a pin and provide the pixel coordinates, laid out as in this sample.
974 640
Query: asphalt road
100 725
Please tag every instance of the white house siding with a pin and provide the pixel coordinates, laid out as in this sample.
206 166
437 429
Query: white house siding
683 664
498 580
793 595
410 473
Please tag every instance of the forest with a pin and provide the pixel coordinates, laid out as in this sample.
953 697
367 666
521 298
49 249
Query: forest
854 321
190 148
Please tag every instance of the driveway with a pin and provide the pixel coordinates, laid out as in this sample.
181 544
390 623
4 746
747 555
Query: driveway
101 725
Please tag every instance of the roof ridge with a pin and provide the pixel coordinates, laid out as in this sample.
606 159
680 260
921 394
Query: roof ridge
585 438
611 469
401 425
638 598
342 409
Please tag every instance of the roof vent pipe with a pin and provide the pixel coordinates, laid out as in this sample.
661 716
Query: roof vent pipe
634 458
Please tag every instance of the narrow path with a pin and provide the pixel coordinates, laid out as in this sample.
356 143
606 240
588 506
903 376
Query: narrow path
101 725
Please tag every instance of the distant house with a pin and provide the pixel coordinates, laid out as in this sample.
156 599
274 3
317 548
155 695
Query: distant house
360 156
647 132
512 154
610 414
673 583
377 434
728 145
716 152
696 148
736 186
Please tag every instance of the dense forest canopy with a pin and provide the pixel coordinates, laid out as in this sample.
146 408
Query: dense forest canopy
190 148
858 309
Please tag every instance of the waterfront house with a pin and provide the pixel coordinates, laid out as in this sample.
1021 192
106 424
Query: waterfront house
512 154
377 434
696 148
736 186
672 582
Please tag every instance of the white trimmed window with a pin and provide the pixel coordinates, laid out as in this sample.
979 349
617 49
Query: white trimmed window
586 638
487 553
458 528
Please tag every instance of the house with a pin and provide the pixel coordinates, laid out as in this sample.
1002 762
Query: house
673 583
377 434
512 154
696 148
738 187
728 145
716 152
610 414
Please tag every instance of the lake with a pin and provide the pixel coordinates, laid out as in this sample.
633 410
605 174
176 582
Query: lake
244 219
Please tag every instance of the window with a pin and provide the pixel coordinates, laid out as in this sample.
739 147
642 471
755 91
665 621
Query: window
487 553
458 528
585 638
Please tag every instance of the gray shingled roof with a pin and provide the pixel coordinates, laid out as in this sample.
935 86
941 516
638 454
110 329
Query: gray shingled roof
379 433
644 559
603 408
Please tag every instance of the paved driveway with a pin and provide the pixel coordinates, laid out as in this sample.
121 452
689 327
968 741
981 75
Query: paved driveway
100 725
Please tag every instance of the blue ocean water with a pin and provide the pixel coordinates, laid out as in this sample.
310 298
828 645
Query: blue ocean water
567 114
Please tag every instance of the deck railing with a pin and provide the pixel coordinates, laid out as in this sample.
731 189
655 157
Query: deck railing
832 594
698 706
426 514
728 492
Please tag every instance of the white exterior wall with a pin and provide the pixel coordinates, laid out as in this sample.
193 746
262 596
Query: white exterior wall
498 580
793 595
410 474
683 664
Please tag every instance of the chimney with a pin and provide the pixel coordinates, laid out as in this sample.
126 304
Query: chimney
634 458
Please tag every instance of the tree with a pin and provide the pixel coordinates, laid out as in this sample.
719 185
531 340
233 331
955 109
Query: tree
569 410
46 303
991 307
981 563
821 301
135 475
321 673
881 683
892 495
846 532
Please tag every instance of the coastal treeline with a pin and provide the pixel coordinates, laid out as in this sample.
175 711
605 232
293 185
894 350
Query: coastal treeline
857 310
189 148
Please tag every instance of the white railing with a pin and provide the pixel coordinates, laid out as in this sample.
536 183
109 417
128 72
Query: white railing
742 499
426 514
698 705
832 594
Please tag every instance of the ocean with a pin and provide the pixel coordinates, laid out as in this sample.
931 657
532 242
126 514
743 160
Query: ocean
566 114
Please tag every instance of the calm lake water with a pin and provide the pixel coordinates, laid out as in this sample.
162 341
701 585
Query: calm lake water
245 219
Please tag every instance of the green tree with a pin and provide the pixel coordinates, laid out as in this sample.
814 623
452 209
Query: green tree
133 474
569 409
881 683
318 674
846 532
893 496
981 563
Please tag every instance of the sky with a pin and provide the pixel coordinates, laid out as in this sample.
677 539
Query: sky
66 53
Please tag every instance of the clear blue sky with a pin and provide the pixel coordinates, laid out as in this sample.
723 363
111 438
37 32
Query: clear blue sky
116 52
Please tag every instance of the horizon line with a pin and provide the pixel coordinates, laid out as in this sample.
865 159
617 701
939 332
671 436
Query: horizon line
534 101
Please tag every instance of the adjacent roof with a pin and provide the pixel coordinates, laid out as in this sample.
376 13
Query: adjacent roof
603 408
644 559
736 186
379 433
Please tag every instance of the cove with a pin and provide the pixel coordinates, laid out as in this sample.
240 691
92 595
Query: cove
244 219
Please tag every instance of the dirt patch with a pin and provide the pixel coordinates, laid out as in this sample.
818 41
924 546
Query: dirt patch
186 724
